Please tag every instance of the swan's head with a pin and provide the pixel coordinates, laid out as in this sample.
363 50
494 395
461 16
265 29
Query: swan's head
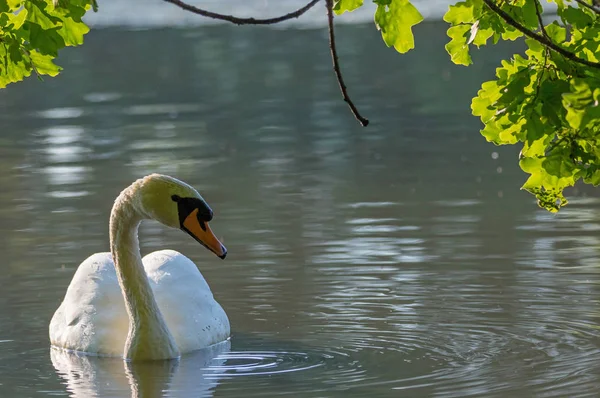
178 205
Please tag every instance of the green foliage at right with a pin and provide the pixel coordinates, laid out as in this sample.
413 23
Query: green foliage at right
33 31
542 100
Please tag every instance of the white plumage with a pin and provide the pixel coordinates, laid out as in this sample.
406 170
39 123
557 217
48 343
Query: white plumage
92 317
152 308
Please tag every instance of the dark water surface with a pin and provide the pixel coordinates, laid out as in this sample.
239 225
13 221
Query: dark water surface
399 260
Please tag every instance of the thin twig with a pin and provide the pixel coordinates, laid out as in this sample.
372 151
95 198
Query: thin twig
242 21
543 40
336 67
539 17
591 7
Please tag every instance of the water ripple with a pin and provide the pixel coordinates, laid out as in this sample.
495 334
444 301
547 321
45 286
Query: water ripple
254 363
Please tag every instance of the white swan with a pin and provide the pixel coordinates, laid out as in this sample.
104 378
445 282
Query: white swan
155 308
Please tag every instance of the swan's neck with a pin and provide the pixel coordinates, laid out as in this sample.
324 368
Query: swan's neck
149 336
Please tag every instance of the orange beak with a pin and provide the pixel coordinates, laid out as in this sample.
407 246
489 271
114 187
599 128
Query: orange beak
200 231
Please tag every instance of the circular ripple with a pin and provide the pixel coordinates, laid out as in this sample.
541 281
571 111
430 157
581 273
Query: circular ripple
255 363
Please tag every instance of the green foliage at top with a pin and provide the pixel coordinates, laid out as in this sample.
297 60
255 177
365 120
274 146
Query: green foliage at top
394 18
33 31
547 102
341 6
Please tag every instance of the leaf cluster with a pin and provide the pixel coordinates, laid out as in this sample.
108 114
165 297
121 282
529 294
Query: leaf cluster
33 31
546 100
542 99
394 18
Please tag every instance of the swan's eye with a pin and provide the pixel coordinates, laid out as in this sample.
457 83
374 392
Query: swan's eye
201 220
185 207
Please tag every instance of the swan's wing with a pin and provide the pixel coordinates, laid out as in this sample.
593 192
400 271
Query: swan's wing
92 316
193 316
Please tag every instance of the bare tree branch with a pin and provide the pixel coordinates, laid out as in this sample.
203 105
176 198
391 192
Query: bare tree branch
243 21
543 40
590 6
336 67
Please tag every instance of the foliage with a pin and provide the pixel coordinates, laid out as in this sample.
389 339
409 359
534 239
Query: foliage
33 31
394 18
548 101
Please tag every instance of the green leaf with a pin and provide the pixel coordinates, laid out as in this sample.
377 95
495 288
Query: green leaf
549 176
535 129
593 176
12 65
72 32
538 138
32 33
483 104
10 5
458 47
550 96
464 12
15 4
482 35
581 103
576 16
46 41
395 22
535 49
43 64
39 15
342 6
557 33
17 20
511 33
529 14
558 165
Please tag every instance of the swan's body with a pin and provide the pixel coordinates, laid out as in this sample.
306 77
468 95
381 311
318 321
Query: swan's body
155 308
92 317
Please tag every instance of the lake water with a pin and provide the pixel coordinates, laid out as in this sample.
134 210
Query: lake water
398 260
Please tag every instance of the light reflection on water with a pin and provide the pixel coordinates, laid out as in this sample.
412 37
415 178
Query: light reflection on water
376 262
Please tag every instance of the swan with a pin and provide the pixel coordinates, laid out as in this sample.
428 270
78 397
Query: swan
158 307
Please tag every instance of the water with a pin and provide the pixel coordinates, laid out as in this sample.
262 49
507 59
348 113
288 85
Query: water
399 260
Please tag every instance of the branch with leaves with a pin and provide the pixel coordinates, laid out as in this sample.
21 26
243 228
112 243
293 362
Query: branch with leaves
590 6
547 100
544 39
33 31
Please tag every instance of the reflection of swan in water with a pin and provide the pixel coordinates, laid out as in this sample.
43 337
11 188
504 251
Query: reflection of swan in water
194 375
155 308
